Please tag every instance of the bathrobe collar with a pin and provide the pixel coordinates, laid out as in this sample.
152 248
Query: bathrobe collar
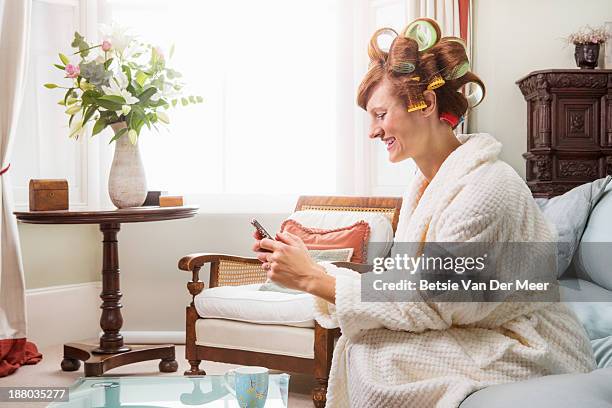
424 200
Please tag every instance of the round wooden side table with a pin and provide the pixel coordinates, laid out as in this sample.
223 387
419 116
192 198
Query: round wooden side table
111 352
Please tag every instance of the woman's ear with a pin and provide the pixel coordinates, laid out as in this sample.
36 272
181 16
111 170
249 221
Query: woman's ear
432 103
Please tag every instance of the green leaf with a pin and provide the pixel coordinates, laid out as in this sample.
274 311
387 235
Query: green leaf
141 77
67 94
90 97
192 99
118 135
107 63
174 102
128 72
51 86
73 109
58 66
88 113
70 120
113 98
79 42
184 101
146 95
99 126
64 59
199 99
108 104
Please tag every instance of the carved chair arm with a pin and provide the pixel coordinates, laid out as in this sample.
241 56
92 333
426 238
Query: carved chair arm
191 261
225 270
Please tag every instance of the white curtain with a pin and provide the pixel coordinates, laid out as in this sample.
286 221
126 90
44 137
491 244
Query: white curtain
14 33
446 13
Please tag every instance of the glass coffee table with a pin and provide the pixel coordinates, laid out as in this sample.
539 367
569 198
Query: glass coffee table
168 391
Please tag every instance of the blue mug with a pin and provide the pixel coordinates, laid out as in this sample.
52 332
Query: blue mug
249 385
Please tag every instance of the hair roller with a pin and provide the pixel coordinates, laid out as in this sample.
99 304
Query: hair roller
376 52
425 31
403 56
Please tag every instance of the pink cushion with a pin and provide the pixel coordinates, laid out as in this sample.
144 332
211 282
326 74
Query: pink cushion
354 236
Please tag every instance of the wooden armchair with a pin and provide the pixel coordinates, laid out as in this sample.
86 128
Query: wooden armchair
227 270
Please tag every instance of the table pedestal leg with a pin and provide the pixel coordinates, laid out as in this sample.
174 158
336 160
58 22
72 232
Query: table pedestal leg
111 351
111 342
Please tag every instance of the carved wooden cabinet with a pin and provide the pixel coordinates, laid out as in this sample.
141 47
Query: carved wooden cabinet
569 128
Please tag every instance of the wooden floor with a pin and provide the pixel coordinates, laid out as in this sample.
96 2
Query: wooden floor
47 373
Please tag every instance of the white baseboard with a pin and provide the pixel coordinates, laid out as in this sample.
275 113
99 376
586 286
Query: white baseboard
154 337
62 314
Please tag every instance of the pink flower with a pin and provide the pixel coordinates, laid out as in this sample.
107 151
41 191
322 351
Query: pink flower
106 46
159 52
72 71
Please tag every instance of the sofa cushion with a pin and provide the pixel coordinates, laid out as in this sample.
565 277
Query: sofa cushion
578 202
260 338
590 390
381 231
594 254
247 303
592 305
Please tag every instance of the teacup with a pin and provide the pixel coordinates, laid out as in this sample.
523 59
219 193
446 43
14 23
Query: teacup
249 385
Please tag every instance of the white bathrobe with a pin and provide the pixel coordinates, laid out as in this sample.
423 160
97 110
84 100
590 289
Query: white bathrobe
426 354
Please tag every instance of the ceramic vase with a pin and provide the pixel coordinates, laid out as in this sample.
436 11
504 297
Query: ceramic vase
586 55
127 183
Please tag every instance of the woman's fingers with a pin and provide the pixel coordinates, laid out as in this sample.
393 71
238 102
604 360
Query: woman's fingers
262 256
270 244
289 239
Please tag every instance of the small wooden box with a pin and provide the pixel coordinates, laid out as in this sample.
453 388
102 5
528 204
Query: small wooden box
47 195
170 201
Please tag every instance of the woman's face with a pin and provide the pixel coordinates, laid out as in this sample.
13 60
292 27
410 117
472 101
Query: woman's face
404 133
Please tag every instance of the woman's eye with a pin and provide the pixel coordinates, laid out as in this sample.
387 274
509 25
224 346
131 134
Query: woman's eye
380 115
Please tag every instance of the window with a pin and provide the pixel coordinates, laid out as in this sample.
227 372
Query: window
279 117
267 73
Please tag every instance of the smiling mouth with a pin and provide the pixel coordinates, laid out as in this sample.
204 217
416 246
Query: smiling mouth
390 142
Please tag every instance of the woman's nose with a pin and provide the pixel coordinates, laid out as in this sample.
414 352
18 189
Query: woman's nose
376 132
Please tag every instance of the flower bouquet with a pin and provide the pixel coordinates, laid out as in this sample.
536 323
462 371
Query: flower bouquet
124 84
587 41
120 80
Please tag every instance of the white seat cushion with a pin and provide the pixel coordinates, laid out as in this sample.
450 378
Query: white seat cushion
381 231
260 338
248 304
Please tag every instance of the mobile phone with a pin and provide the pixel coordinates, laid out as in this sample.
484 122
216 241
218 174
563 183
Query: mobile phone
262 231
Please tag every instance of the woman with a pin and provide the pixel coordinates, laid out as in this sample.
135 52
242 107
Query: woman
428 354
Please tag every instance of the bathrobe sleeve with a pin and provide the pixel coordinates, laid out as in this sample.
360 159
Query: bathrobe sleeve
469 217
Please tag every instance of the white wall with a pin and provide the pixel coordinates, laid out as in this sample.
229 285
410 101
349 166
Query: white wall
154 289
513 38
60 254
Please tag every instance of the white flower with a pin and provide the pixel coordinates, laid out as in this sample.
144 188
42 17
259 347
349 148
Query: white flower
133 51
76 127
118 86
163 117
168 92
116 35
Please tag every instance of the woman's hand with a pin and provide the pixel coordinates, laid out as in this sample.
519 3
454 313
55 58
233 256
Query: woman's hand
289 264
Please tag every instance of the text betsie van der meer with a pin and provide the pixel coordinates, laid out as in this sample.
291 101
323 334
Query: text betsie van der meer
455 265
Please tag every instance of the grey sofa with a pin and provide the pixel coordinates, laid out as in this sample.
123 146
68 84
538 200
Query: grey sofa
586 287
